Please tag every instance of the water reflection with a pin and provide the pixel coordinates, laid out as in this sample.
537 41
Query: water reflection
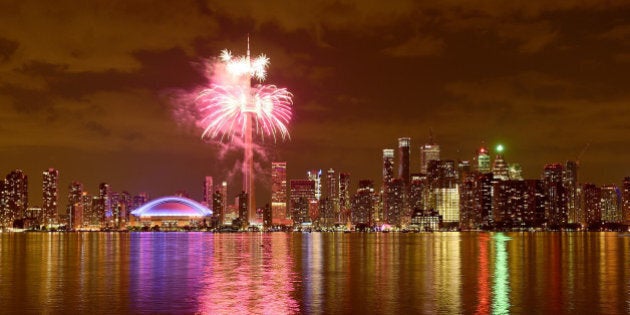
500 287
318 273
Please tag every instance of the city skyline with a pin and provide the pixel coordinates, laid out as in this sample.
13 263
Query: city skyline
93 96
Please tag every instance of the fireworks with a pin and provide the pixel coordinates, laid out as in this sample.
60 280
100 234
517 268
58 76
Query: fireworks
228 109
231 107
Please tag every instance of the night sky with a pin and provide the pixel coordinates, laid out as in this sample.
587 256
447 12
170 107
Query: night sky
88 87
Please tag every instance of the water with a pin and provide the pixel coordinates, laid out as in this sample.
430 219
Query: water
318 273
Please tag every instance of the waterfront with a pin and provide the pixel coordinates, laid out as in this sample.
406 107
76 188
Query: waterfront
315 273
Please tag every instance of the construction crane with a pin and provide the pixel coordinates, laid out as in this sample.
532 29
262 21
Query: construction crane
577 160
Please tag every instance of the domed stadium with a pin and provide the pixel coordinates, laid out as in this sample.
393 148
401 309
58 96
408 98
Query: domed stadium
170 212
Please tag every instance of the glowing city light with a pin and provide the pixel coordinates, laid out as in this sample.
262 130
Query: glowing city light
500 148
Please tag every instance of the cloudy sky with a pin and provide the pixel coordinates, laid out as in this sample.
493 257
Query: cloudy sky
87 86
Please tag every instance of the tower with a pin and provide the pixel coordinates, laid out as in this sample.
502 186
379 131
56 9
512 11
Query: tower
49 198
75 205
483 160
570 182
208 191
388 165
344 198
555 206
404 147
625 197
279 213
428 152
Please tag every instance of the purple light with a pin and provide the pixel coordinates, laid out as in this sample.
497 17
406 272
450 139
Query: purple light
172 206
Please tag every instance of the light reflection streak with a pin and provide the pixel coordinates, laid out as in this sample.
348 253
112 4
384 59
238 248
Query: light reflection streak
501 288
483 276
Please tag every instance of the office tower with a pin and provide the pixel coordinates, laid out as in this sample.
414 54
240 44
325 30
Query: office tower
483 160
218 208
15 198
515 171
610 204
316 176
518 204
303 201
428 152
243 213
267 217
625 196
417 188
388 165
332 192
469 216
49 195
344 198
500 168
556 204
442 178
279 213
591 204
570 182
393 213
75 205
101 205
463 169
208 191
404 148
363 204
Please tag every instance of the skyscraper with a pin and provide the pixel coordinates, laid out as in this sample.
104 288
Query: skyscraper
344 198
15 196
428 152
332 190
483 160
591 204
303 201
500 169
316 176
442 178
611 204
394 199
208 191
404 147
556 204
570 182
75 205
363 204
388 165
49 198
279 213
217 208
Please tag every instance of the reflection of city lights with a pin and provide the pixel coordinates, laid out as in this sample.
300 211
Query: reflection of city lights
501 288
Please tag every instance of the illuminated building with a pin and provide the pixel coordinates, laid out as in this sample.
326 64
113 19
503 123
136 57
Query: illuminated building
224 192
417 189
442 178
425 221
476 201
170 212
208 191
217 207
388 165
517 204
104 195
393 212
625 197
316 176
483 160
139 200
610 204
243 210
49 198
332 193
303 201
279 213
591 204
15 198
556 204
344 198
515 171
363 204
404 147
570 182
428 152
75 205
267 216
500 168
327 217
120 204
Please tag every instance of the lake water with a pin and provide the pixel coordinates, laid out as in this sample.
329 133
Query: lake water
316 273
